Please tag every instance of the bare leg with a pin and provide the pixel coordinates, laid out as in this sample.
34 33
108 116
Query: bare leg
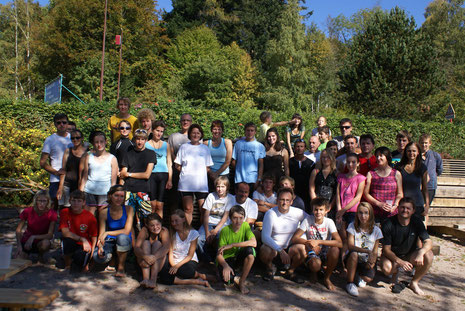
198 281
297 254
248 262
43 246
314 265
188 206
351 266
266 255
143 265
200 202
156 267
332 258
420 271
121 261
389 268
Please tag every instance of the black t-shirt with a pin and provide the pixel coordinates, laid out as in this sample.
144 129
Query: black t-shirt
119 148
301 174
136 162
403 239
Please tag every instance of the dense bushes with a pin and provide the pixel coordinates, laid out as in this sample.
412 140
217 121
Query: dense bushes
25 125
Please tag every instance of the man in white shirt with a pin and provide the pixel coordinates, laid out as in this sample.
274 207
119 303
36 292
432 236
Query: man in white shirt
52 154
279 225
249 205
313 153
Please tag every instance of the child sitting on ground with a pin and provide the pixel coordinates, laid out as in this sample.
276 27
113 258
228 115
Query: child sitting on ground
363 240
236 248
322 241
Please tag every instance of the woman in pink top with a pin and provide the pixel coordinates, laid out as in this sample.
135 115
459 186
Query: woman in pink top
349 192
383 186
40 221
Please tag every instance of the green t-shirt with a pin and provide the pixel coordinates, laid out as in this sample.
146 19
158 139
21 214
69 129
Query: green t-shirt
228 236
323 146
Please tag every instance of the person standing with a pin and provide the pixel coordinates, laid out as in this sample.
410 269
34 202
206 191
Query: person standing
300 168
122 104
248 155
52 154
433 162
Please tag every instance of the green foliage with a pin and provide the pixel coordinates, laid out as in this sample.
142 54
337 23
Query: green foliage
393 65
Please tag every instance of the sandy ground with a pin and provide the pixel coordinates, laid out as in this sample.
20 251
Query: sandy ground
444 287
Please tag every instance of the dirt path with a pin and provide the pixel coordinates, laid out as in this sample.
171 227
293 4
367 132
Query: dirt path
444 287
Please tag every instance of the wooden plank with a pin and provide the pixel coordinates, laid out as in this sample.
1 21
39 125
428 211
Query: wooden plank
460 234
16 266
447 212
452 181
450 192
26 298
449 202
445 221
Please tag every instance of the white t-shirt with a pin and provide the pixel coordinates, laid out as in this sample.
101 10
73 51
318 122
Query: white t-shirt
251 208
181 248
194 160
261 196
217 206
365 240
278 228
55 146
325 229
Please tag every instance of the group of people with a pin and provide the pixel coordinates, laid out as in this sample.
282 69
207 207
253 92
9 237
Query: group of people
296 206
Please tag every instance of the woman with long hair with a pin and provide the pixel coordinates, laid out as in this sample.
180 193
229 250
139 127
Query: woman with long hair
323 180
181 266
294 131
415 178
276 162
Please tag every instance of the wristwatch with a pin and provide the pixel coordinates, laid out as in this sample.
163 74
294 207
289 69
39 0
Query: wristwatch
129 174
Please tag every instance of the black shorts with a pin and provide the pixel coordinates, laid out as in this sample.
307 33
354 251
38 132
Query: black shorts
157 186
237 261
186 271
278 263
198 195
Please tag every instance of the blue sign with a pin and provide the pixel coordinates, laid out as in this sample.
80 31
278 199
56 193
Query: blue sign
53 91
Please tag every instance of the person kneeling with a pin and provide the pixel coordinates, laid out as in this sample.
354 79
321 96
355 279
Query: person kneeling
400 250
79 229
322 243
236 247
181 266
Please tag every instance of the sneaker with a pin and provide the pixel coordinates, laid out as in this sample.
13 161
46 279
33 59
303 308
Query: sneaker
360 282
352 289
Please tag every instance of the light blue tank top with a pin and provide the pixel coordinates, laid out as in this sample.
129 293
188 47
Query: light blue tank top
99 176
218 156
161 166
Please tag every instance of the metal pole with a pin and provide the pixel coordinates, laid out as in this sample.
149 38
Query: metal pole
120 60
103 50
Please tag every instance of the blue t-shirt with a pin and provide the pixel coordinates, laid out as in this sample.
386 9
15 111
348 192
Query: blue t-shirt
160 166
247 154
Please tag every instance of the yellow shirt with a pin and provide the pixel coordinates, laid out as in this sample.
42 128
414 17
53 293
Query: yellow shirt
113 126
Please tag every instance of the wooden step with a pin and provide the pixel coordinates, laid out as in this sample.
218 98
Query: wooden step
451 181
447 211
26 298
449 202
450 192
445 221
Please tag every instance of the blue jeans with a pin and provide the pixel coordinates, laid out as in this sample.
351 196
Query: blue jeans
205 251
122 243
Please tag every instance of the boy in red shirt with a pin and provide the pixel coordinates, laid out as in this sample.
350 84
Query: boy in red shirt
79 229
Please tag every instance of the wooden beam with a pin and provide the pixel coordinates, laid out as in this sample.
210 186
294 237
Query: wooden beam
447 212
459 234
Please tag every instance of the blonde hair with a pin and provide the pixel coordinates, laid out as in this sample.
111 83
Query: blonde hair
41 193
371 217
319 165
224 180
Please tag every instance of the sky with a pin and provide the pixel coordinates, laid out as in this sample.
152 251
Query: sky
324 8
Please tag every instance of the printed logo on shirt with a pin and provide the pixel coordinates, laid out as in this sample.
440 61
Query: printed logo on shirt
83 227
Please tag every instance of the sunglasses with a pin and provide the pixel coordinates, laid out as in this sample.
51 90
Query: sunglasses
76 137
141 131
124 127
61 122
345 127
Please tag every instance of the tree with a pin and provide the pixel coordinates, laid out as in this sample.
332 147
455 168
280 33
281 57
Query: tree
391 67
69 41
209 73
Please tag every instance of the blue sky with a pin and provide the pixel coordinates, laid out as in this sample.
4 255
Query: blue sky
324 8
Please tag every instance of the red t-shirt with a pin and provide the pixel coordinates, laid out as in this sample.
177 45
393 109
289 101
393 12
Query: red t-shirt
367 165
36 225
84 224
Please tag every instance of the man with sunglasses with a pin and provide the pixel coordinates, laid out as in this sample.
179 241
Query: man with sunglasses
52 154
345 125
